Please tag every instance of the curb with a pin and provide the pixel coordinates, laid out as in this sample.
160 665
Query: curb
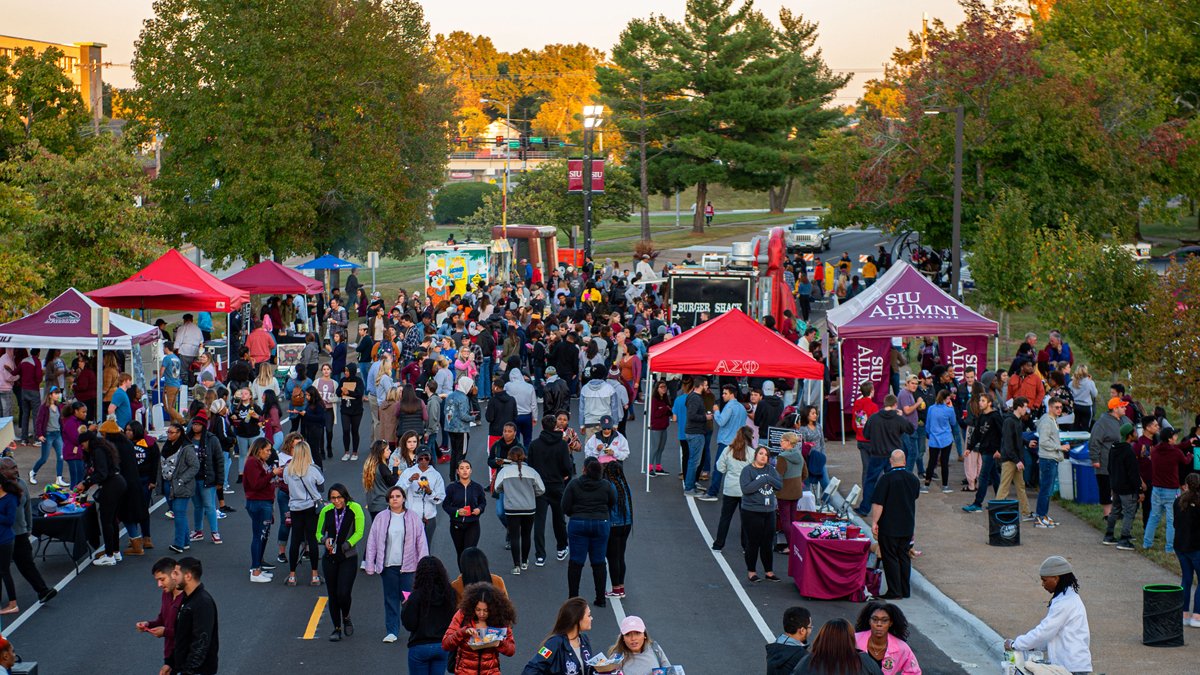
989 642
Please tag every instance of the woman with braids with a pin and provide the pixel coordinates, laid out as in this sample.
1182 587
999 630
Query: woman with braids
881 632
482 607
105 463
1064 632
620 521
427 614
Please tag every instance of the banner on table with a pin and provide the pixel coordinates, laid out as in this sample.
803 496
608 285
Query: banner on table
865 360
963 351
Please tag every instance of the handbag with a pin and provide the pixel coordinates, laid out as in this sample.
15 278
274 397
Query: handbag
318 503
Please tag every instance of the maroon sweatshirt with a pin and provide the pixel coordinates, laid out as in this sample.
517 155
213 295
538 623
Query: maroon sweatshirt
166 618
1167 459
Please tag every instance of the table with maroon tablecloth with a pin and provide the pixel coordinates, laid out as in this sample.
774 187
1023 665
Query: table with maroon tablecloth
827 569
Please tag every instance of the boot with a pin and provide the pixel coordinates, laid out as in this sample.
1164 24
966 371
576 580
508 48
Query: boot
146 543
135 547
574 574
599 574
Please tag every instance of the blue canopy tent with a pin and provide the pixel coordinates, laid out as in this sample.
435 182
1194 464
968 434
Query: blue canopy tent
328 262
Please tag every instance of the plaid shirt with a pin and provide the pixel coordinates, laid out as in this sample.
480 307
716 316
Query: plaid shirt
412 340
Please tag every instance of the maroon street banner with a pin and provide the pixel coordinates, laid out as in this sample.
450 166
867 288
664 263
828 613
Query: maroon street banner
865 360
575 176
964 350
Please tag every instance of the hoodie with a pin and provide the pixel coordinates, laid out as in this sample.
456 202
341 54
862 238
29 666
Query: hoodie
428 627
884 430
550 457
768 413
783 654
522 392
501 409
598 398
1011 444
986 438
1123 470
587 499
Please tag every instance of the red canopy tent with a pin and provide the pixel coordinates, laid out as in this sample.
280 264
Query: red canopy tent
269 277
210 294
731 344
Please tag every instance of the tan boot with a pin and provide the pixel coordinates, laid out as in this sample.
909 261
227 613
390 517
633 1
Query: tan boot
135 547
146 543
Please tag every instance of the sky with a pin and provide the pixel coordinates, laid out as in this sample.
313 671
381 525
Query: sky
855 35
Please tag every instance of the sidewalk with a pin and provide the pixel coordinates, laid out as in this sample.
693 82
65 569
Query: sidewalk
1001 586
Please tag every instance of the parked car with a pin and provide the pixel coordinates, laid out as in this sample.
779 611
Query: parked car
806 234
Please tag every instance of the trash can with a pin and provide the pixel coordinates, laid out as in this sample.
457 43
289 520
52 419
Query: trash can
1066 480
1084 476
1004 523
1162 615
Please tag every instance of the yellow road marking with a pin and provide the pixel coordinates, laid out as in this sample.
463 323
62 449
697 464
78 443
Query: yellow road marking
313 620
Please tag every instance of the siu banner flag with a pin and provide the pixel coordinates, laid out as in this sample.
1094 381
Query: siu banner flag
866 360
963 351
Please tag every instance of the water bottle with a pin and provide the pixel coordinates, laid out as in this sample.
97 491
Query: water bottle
842 531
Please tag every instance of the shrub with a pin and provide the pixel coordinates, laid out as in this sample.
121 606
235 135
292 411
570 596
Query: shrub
457 201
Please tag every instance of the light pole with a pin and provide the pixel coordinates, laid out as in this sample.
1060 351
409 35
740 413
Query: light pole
956 230
504 203
593 117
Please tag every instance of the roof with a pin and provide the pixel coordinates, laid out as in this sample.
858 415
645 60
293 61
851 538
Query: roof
904 302
65 323
269 277
734 344
210 293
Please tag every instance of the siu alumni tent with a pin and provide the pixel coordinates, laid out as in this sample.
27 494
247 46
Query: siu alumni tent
65 323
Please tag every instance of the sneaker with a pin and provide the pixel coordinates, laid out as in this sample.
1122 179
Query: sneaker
227 509
600 603
695 492
336 635
32 477
347 627
105 560
221 514
561 555
260 578
1194 622
281 559
1126 545
216 538
1041 523
118 556
389 638
266 566
1109 540
925 488
346 457
175 549
197 536
947 490
353 458
171 514
516 570
614 593
540 562
1028 518
971 508
707 497
525 565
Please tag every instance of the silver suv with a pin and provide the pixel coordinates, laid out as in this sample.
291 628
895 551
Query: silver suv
806 234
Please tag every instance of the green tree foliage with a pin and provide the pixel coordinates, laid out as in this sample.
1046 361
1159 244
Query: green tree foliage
1094 292
1166 370
541 199
39 102
91 232
458 201
22 276
1001 254
293 128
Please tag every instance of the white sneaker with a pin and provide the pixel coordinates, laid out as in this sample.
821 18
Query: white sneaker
32 477
346 457
118 556
1194 622
58 480
105 560
260 578
389 638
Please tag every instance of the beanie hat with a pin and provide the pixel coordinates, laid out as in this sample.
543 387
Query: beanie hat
1055 566
201 416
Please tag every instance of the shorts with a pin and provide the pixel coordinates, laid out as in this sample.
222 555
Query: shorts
1105 489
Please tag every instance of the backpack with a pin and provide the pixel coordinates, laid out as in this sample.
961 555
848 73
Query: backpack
298 397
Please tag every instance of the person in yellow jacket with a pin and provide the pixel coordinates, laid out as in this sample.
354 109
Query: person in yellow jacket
869 271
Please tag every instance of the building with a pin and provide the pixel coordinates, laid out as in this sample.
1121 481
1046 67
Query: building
484 161
81 62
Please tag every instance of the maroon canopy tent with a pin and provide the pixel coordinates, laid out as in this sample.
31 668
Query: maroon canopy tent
269 278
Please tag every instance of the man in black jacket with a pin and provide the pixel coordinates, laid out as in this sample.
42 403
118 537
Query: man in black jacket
196 635
884 430
556 394
769 410
565 358
550 457
694 428
1012 455
786 651
986 441
501 409
1126 481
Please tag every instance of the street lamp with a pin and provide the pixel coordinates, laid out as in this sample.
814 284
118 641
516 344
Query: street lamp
504 197
956 232
593 117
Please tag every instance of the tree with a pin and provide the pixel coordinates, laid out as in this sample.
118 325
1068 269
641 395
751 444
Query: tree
458 201
541 199
1094 292
39 102
1000 256
293 128
1166 370
91 232
22 276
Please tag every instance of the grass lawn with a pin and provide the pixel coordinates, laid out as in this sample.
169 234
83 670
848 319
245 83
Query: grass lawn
1185 229
1093 514
680 238
724 198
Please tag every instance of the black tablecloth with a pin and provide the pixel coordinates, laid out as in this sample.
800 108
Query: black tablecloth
75 530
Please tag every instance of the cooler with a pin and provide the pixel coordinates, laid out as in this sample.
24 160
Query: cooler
1084 476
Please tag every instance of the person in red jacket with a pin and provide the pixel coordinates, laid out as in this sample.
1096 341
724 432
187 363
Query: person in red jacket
259 482
861 411
164 625
660 420
484 609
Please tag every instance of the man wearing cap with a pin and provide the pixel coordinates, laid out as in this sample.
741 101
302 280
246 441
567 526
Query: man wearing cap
607 444
910 405
1064 633
188 339
1106 432
161 324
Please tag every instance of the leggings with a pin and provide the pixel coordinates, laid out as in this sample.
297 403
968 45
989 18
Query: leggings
458 442
520 536
760 538
339 582
6 555
936 455
618 537
464 536
304 522
350 424
329 424
108 497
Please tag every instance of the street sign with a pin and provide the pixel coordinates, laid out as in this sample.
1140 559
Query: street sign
514 145
99 321
535 139
373 259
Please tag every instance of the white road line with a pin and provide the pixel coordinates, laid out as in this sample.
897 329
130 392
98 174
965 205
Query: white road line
733 579
63 584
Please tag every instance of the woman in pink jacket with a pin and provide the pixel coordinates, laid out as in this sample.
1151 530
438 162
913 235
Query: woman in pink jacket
880 632
394 547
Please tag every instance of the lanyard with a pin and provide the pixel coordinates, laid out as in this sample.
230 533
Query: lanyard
338 516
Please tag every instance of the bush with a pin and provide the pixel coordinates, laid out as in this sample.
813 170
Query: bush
457 201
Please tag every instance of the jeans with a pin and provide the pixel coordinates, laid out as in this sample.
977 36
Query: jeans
658 443
525 427
704 457
912 452
484 379
427 659
988 475
714 488
1162 501
586 538
179 508
53 440
958 438
875 467
695 445
204 504
1190 563
1124 509
364 369
538 374
30 400
1048 472
259 511
394 582
500 510
243 445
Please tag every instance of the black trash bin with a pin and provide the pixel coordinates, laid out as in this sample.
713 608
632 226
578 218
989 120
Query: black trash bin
1004 523
1162 615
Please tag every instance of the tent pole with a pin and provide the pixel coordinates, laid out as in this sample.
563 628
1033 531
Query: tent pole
841 392
997 338
646 421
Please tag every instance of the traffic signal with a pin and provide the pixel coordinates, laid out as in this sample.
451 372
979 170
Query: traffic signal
470 141
524 142
499 141
545 142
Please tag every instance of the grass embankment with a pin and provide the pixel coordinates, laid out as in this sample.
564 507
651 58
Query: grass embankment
1093 514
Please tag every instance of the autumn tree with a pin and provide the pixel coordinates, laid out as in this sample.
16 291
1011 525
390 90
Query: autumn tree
39 102
472 65
22 276
1166 369
293 128
1000 256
